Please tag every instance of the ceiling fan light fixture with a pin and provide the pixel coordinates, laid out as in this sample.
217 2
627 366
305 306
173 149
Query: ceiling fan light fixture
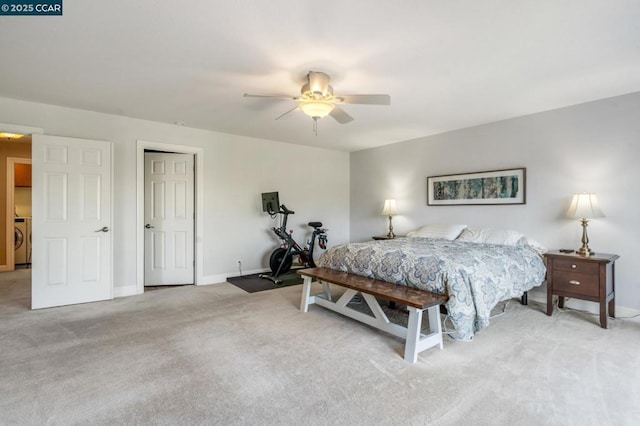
317 100
316 109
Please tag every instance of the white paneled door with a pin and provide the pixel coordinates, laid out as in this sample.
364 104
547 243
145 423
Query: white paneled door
169 219
71 233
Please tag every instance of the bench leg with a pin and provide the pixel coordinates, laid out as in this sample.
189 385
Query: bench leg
306 292
413 335
327 290
435 325
416 341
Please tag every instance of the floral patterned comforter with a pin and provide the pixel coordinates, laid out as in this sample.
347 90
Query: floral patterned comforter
475 276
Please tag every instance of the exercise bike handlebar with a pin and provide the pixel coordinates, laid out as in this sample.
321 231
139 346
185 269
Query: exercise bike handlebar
285 210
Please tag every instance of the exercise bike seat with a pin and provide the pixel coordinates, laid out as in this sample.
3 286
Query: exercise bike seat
315 224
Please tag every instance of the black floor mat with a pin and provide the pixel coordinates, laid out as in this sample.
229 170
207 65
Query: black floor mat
252 283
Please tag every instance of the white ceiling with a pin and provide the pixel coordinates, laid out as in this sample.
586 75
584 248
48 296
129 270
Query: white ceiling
446 64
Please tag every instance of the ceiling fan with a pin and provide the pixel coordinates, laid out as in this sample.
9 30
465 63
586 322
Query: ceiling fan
317 100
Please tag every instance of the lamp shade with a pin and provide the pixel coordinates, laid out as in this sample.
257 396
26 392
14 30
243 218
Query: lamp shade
585 205
390 208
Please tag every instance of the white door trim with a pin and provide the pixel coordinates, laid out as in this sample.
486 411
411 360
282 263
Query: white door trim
17 128
199 206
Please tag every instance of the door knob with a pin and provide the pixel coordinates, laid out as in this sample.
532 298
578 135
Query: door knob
103 229
149 226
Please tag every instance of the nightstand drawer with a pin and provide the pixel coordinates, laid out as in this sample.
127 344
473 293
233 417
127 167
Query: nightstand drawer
575 265
573 282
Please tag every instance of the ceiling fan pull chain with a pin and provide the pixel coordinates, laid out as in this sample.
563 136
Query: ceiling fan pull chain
315 125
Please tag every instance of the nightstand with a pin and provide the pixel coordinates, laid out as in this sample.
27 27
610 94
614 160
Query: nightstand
587 278
384 237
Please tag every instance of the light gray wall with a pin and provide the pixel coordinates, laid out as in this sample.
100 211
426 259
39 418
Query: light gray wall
593 147
313 182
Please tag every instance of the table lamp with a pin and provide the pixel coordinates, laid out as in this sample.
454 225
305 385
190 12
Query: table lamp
584 206
390 209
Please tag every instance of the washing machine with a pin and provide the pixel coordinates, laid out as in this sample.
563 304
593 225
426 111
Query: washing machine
22 240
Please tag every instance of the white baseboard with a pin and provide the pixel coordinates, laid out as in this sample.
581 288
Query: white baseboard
213 279
222 278
540 295
130 290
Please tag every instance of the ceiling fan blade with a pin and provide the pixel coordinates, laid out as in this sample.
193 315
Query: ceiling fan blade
249 95
366 99
340 116
290 111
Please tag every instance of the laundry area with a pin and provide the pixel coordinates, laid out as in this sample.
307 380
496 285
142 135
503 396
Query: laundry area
22 221
15 202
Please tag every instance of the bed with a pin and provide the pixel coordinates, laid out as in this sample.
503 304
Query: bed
475 275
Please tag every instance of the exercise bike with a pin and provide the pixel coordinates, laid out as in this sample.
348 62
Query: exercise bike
281 259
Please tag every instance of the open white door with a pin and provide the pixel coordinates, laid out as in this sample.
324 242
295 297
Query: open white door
169 219
71 234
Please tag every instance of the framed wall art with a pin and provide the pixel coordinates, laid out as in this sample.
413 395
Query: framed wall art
481 188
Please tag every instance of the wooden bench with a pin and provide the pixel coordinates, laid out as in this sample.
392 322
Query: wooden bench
417 302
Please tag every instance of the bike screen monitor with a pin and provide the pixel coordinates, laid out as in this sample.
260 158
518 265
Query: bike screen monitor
270 202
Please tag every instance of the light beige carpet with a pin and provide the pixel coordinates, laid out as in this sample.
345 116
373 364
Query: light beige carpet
217 355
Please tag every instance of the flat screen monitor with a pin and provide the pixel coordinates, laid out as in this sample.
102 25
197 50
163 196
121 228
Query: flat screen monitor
270 202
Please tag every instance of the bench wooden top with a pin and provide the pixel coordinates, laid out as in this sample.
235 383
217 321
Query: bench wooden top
414 297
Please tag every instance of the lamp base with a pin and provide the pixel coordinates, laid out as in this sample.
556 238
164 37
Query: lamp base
585 251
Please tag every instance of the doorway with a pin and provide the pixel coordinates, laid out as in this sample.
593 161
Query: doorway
142 232
15 284
15 200
17 212
19 206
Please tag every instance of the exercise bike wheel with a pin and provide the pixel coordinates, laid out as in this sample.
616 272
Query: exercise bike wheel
279 256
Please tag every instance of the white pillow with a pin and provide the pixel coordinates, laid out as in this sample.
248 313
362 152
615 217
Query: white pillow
504 237
535 245
447 232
